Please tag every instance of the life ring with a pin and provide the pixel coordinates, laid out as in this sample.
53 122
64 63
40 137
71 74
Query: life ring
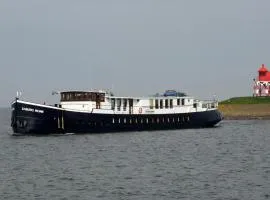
140 110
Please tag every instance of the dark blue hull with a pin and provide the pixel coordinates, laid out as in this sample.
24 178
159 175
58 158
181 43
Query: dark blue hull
38 119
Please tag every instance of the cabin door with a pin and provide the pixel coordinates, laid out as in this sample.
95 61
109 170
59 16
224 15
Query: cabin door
130 103
98 101
60 120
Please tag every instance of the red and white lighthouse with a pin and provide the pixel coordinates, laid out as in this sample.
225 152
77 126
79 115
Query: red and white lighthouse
262 84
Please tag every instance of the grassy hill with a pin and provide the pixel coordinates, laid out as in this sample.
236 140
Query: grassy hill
246 108
247 100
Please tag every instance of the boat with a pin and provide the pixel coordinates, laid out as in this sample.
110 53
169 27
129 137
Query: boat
99 111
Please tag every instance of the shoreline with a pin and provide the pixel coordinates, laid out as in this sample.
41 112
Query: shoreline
245 111
246 117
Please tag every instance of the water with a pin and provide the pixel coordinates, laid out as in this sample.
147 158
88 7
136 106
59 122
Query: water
228 162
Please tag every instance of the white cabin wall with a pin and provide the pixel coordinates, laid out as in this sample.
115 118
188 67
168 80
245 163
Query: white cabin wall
144 104
105 105
77 105
140 106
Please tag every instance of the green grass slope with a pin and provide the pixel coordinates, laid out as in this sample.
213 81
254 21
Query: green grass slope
247 100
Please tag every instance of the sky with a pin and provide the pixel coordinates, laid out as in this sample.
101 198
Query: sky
134 48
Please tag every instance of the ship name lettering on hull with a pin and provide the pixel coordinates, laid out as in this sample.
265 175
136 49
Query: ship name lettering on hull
32 110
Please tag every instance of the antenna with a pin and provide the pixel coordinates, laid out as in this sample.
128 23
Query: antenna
18 94
215 97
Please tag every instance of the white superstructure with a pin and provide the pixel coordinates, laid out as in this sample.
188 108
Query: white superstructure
104 102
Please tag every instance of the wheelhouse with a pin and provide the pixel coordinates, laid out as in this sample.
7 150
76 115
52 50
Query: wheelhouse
82 96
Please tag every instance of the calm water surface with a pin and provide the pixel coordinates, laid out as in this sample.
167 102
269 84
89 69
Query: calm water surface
228 162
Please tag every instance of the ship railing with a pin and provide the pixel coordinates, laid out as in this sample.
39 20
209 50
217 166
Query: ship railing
209 104
144 107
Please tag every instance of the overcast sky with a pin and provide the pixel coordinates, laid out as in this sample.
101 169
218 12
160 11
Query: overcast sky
138 47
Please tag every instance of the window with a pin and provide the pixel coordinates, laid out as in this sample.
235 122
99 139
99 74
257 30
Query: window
161 103
178 102
86 96
151 103
118 104
156 103
93 96
171 103
102 97
166 103
125 104
113 104
78 96
75 96
183 102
